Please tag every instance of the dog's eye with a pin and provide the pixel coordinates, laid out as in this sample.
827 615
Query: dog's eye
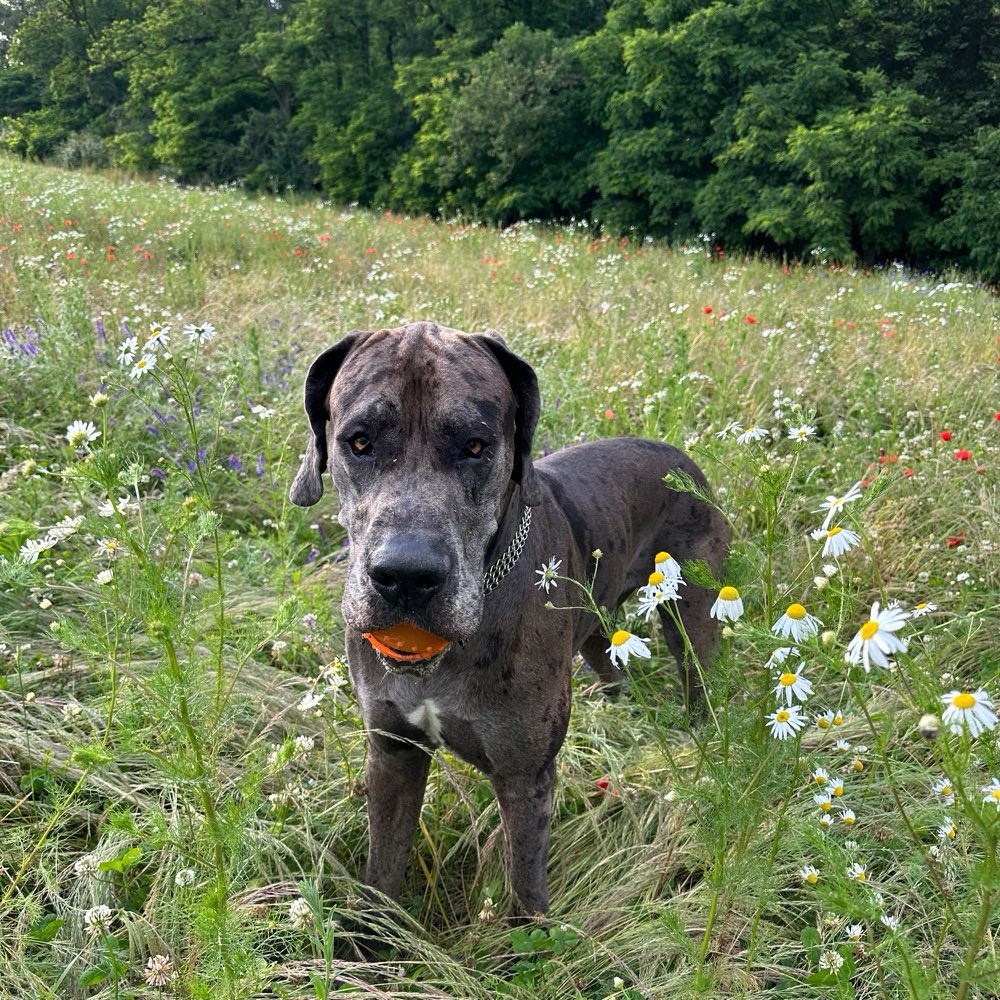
360 444
474 448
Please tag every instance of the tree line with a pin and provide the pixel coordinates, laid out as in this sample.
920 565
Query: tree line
862 130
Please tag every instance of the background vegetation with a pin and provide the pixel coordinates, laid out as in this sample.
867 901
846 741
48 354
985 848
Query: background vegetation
869 131
181 804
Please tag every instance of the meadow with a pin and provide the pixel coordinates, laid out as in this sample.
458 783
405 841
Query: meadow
181 798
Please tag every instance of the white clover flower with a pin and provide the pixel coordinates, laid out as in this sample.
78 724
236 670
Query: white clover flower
185 877
71 711
834 504
87 866
964 708
81 433
300 914
159 970
548 574
728 605
785 722
624 644
875 642
796 624
831 960
98 919
836 541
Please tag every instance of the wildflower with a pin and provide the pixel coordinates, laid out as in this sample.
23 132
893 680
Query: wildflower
300 914
34 547
841 746
127 350
624 644
929 726
792 686
262 412
785 722
857 871
97 919
158 337
947 830
108 548
618 983
890 922
488 912
945 435
728 605
732 428
199 333
821 775
875 641
548 574
666 564
86 867
146 363
81 433
837 787
159 970
778 657
71 710
992 795
837 540
848 817
824 801
825 721
796 624
965 708
107 508
99 399
854 932
809 874
963 454
104 577
65 528
923 608
651 598
825 820
833 504
185 877
752 434
802 433
831 960
309 701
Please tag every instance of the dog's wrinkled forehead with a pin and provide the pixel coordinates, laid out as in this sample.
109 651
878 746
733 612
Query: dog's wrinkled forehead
422 377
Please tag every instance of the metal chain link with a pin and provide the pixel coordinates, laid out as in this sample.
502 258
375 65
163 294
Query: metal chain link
508 560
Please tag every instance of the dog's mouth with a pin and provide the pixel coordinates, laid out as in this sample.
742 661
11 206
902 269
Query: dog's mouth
406 648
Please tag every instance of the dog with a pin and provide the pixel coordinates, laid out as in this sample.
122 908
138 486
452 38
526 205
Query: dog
428 432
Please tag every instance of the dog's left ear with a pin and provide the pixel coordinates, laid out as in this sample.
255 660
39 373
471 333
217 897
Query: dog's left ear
525 385
307 487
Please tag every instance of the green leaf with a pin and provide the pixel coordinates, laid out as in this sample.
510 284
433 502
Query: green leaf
46 928
123 862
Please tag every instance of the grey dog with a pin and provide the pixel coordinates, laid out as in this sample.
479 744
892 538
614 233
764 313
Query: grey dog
428 434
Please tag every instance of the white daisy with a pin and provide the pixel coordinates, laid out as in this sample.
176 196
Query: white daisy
778 657
728 605
796 624
809 874
666 564
624 644
732 428
802 433
752 434
158 337
792 686
857 871
854 932
992 796
945 791
652 597
923 608
836 541
199 333
127 350
785 722
146 363
833 504
81 433
965 708
548 574
947 831
876 641
34 547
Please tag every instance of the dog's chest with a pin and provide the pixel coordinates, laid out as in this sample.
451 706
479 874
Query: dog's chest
426 716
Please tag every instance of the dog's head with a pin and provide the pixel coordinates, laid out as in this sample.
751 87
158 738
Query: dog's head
424 430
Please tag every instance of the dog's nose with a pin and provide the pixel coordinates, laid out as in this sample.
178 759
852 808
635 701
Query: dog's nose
408 571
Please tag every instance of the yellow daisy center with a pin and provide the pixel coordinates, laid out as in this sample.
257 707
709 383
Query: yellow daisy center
823 723
951 833
782 716
787 680
838 790
849 821
729 594
921 606
796 611
826 806
820 779
945 791
868 630
656 578
620 637
995 793
812 878
661 557
861 876
964 701
834 531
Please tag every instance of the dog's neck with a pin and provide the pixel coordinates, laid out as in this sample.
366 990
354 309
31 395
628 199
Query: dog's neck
514 520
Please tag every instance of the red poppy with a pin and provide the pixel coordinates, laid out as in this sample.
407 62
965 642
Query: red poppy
963 454
751 319
945 435
708 312
955 541
907 472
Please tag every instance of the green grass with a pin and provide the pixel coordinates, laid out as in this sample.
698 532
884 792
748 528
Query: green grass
148 723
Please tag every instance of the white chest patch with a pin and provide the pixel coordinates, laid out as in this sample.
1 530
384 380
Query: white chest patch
427 716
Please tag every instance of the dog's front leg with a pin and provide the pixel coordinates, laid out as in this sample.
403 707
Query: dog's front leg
526 809
395 777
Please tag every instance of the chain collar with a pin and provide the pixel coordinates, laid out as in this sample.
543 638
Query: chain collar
508 560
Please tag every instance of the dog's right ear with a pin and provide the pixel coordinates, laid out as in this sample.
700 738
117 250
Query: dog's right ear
307 487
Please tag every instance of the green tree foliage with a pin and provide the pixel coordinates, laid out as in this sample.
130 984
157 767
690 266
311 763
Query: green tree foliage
865 127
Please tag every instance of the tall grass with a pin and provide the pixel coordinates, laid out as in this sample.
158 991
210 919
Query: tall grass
177 735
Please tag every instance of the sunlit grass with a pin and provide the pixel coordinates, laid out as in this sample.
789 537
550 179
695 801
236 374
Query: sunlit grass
179 739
